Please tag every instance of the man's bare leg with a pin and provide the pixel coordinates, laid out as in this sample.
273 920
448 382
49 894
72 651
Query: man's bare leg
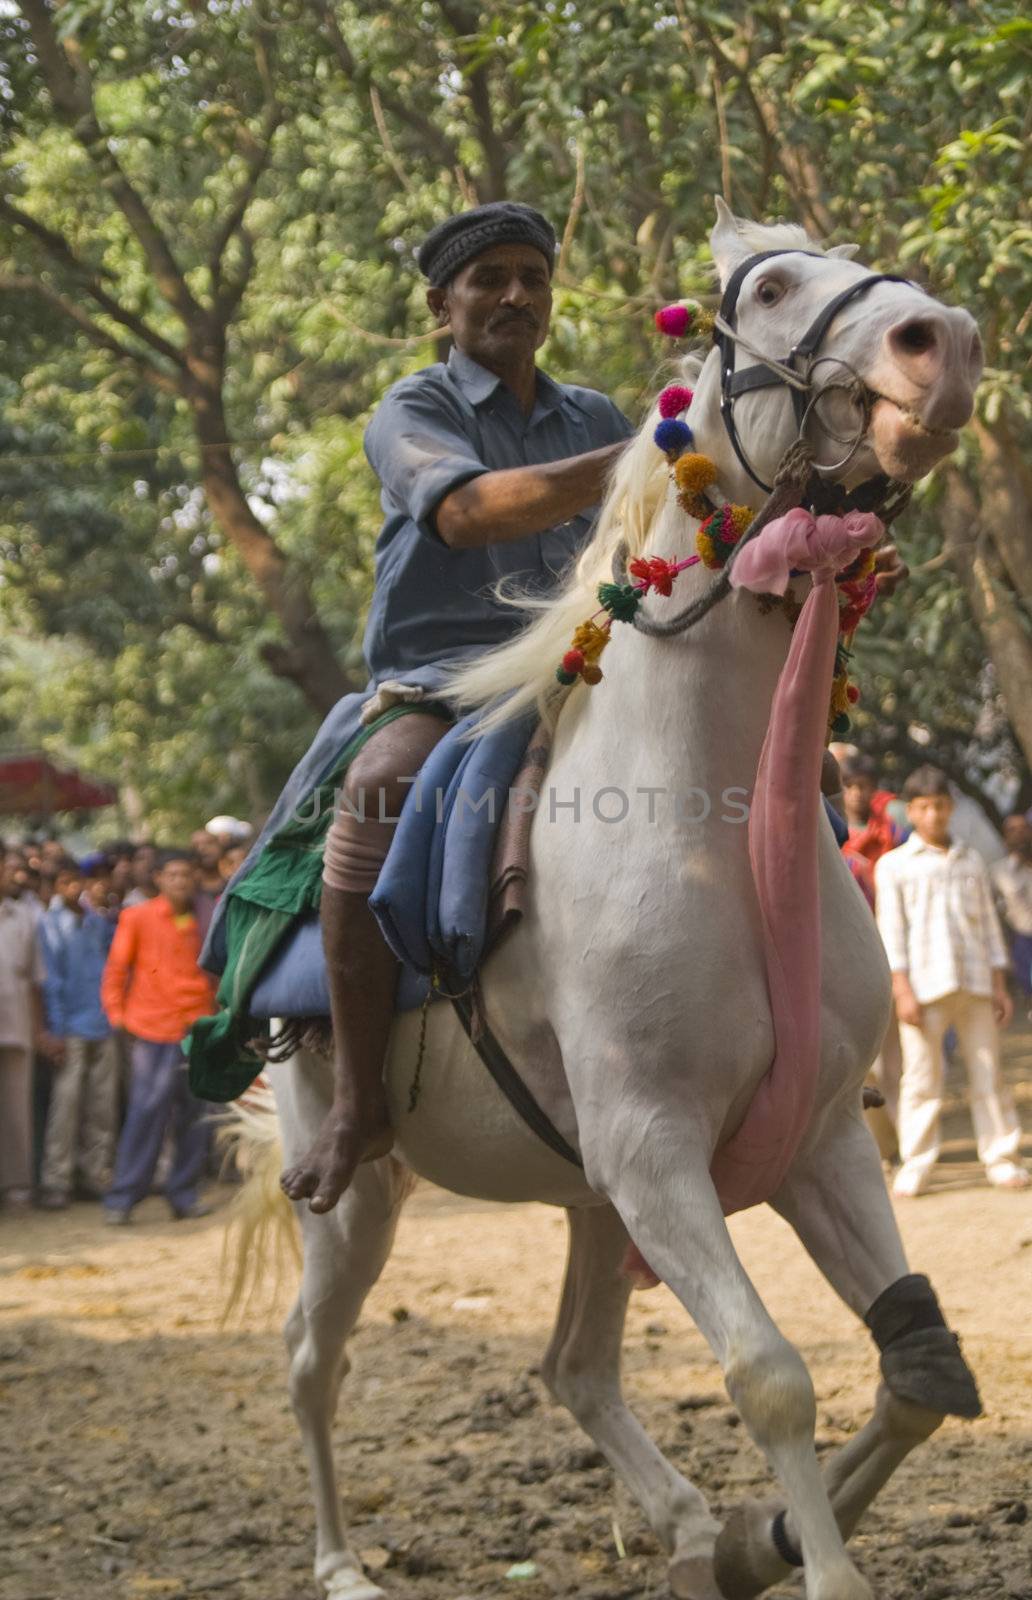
363 977
361 971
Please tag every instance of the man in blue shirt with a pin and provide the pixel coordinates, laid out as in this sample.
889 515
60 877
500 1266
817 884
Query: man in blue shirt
75 936
490 471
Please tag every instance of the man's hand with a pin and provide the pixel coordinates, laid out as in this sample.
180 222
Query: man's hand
890 570
1003 1005
908 1007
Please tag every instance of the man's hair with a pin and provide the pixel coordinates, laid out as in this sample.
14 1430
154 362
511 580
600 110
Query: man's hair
858 766
926 782
167 857
67 867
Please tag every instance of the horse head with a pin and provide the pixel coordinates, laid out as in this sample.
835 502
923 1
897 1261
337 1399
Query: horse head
879 375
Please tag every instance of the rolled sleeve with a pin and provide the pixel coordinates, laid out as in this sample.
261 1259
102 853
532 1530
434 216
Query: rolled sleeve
419 447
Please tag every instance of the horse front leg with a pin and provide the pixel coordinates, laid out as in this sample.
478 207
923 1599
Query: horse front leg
660 1185
836 1200
582 1370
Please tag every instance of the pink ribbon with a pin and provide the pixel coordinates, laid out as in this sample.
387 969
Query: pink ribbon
783 824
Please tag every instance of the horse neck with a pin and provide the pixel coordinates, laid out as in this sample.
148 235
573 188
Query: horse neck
693 708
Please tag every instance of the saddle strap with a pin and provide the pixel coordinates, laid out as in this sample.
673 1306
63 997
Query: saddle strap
479 1034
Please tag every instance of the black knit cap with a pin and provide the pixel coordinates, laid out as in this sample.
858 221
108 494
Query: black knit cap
454 242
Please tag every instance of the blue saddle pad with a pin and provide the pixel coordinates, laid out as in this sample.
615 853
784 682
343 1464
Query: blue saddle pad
431 898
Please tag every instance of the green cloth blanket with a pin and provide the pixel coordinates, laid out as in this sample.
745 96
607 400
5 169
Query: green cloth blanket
284 885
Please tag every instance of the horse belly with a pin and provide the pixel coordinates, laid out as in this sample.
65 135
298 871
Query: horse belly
462 1133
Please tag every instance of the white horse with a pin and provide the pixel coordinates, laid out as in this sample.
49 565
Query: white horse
633 997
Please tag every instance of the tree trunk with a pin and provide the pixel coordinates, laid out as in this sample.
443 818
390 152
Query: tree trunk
1007 639
1005 494
308 658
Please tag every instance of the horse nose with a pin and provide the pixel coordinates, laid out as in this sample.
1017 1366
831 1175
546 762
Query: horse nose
918 346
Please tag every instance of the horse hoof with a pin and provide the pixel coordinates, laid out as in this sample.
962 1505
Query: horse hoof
745 1562
691 1578
351 1583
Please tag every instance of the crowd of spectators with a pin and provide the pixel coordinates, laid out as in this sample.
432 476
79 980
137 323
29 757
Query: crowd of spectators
99 984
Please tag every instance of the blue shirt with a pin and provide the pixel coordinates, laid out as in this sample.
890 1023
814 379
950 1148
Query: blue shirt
75 949
433 432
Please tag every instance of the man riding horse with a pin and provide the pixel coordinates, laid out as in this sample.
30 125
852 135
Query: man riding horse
490 471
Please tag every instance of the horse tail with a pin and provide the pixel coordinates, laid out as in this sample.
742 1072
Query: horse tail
261 1229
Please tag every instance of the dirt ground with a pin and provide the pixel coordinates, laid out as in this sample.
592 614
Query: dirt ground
147 1453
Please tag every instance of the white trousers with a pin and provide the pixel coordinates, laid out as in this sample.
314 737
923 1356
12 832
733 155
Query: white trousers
997 1130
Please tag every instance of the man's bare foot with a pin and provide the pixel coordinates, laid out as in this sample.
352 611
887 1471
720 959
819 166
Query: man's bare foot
325 1172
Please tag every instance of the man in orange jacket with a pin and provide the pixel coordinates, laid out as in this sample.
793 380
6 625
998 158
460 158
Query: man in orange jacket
153 987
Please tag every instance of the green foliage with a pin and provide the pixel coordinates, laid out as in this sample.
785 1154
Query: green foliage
901 126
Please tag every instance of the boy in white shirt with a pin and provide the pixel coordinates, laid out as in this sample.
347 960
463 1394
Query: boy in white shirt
949 969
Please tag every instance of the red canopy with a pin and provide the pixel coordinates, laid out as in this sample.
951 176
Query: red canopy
31 784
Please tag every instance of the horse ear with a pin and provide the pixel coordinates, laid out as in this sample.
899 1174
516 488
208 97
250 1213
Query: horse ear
726 241
843 252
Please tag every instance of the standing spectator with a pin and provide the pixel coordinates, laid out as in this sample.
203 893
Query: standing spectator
142 871
872 830
21 1031
231 858
120 855
1012 880
153 987
949 969
208 851
75 936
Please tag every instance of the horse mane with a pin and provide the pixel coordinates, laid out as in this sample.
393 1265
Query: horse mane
508 680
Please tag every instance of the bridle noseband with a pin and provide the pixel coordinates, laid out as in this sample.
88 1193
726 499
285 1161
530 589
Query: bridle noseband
796 369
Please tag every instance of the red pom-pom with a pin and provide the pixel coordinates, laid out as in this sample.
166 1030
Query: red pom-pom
852 694
653 573
573 661
675 398
674 321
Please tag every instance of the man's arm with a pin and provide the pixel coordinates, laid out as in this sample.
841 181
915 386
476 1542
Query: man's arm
516 501
117 969
892 925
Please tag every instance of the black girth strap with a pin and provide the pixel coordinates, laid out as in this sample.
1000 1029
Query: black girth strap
509 1081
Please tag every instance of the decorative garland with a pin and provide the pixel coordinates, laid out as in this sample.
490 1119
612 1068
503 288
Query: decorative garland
720 528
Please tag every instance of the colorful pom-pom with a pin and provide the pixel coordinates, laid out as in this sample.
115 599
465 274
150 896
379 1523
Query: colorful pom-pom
673 436
674 321
694 473
621 600
840 725
674 399
653 573
592 675
573 661
720 532
564 677
853 694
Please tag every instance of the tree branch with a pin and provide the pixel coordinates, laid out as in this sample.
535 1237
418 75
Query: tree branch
439 143
16 284
232 222
71 90
58 248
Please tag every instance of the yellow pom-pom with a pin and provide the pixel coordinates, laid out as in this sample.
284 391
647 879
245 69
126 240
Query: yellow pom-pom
741 516
590 640
693 473
704 545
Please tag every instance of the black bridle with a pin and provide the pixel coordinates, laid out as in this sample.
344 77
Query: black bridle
796 369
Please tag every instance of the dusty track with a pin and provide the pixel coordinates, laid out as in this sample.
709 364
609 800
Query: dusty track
148 1453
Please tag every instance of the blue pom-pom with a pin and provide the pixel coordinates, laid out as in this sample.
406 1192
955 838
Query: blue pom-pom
673 436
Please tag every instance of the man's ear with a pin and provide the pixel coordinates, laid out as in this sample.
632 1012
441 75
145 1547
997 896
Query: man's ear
437 300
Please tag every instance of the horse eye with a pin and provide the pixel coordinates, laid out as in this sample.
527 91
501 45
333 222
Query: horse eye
769 291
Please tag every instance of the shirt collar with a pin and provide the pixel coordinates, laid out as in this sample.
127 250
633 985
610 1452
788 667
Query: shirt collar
917 847
478 384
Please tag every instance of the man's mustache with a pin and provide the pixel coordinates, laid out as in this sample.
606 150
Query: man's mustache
508 317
